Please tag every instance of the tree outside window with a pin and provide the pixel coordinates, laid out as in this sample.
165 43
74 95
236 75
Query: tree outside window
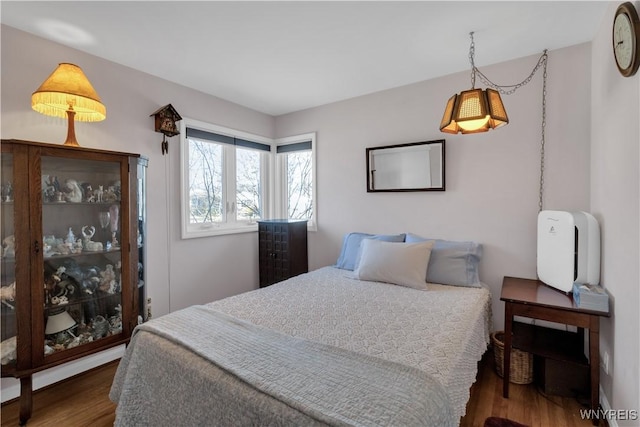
228 179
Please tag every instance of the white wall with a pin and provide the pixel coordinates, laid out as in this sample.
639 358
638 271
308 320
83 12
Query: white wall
615 201
180 273
491 178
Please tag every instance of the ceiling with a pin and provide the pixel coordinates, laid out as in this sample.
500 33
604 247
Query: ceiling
279 57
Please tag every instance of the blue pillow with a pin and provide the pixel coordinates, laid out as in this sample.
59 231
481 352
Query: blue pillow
351 246
452 263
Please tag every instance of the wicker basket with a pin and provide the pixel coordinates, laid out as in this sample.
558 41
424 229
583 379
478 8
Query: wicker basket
521 362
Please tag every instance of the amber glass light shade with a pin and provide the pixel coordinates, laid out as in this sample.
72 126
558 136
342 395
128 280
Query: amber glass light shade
67 93
474 111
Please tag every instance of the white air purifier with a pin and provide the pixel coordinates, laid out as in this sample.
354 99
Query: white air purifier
568 249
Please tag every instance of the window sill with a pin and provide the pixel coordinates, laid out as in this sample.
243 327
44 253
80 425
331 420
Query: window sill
222 230
218 230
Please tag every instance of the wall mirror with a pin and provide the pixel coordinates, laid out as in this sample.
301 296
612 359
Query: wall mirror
416 166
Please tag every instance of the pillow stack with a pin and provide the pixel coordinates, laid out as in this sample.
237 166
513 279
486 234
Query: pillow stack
411 260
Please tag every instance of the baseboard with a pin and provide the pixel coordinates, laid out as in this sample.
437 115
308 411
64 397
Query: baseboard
606 406
11 386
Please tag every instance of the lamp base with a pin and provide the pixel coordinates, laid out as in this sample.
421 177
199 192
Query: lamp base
71 130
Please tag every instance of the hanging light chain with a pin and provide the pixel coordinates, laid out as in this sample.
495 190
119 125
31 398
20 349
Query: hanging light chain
543 126
508 90
472 53
503 89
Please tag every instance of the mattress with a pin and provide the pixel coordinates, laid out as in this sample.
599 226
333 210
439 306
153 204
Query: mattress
441 332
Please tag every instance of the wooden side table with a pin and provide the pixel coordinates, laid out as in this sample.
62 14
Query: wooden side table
533 299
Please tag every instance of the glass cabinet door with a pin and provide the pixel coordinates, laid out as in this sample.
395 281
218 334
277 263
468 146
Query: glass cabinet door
8 321
81 251
143 314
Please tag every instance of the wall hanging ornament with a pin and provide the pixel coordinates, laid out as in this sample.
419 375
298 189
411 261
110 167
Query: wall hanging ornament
165 123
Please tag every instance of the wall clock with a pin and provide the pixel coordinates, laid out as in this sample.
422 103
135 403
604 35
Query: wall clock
165 122
626 39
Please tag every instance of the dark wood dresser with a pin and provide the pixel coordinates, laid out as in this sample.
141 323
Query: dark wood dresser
282 248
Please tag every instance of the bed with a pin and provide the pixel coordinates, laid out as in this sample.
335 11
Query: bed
327 347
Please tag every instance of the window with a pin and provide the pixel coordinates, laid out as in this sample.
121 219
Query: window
228 180
295 178
248 184
224 177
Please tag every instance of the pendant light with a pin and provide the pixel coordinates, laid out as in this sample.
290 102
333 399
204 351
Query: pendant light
478 110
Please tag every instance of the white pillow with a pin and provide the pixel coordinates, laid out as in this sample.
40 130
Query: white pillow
402 264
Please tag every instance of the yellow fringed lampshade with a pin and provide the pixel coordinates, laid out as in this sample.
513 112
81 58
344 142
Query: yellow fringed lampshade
67 93
474 111
68 86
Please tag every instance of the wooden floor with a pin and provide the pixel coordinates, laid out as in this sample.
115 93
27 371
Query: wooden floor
84 401
79 401
525 404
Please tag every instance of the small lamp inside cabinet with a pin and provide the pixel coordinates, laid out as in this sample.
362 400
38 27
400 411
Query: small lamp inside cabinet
59 322
165 123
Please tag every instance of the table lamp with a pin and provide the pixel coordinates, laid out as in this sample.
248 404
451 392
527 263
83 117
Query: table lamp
59 322
68 93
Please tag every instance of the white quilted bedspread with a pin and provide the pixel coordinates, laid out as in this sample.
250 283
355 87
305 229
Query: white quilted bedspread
443 331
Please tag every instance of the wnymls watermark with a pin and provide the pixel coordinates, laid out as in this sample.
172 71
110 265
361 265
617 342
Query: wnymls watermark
610 414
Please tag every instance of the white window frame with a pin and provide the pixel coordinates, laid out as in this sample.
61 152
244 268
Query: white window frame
281 209
229 225
273 179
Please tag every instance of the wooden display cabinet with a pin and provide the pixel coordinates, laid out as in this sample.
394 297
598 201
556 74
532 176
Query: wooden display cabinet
72 233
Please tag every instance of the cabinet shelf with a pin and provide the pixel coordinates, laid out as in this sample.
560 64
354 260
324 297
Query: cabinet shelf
97 297
82 254
58 204
549 343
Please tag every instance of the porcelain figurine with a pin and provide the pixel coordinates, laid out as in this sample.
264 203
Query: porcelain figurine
87 192
8 293
77 247
9 247
110 195
49 245
62 249
50 283
7 192
46 249
74 342
89 245
8 350
98 193
48 350
100 327
108 281
50 188
71 238
73 191
90 284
